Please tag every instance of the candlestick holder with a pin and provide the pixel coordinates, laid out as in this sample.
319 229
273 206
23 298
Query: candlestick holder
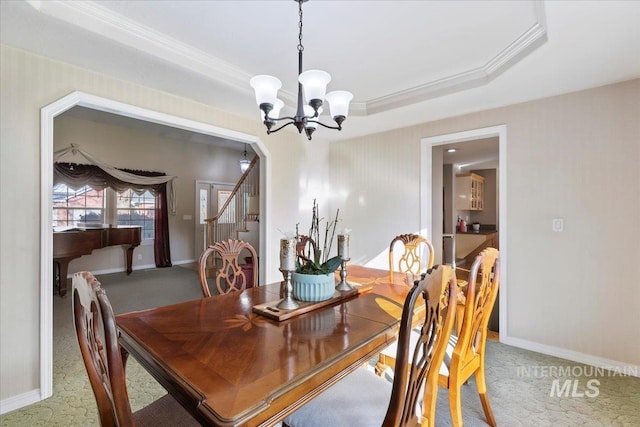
344 285
286 292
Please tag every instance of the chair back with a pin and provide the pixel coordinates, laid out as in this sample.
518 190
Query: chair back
98 340
420 365
305 248
484 280
230 276
411 258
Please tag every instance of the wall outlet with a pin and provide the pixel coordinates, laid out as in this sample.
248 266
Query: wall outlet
187 217
139 256
557 225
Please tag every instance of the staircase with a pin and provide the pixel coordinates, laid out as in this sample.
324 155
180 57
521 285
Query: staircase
238 217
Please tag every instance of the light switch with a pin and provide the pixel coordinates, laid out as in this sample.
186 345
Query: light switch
557 225
187 217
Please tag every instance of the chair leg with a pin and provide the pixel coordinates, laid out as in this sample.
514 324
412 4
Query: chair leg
429 405
455 401
484 397
383 363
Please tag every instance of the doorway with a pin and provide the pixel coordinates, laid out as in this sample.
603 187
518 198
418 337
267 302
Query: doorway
48 114
431 197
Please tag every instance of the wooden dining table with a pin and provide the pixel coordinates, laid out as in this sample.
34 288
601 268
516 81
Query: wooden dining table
229 366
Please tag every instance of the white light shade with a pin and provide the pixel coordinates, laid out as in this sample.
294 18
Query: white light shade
314 83
339 102
308 111
266 88
277 106
275 112
244 165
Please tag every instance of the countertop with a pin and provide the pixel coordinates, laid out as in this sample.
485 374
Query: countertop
481 232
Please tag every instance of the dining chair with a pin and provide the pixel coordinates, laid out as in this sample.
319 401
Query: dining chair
305 248
409 263
411 258
229 276
105 362
465 354
364 399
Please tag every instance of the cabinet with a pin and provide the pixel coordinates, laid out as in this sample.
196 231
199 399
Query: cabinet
469 192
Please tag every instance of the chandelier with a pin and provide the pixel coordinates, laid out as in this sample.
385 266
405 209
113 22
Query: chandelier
313 83
244 162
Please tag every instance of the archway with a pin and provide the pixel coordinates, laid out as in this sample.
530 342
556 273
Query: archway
47 115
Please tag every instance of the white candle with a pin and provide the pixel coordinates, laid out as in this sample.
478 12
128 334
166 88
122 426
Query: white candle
343 246
288 254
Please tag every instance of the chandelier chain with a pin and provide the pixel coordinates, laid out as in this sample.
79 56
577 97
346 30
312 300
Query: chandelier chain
300 47
312 84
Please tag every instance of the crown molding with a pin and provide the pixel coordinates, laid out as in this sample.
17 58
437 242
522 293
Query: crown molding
100 20
526 43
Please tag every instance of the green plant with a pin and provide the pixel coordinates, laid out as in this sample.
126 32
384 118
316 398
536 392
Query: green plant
321 264
314 267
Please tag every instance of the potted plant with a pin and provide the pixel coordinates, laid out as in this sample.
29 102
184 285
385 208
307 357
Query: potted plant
313 279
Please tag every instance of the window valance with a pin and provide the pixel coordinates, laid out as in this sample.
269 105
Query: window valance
99 176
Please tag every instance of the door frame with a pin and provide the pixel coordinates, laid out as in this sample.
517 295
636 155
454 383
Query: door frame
47 115
426 193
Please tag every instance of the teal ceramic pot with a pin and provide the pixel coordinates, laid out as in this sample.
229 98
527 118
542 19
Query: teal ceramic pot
313 287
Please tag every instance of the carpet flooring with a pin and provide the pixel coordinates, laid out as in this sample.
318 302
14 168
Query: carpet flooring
525 388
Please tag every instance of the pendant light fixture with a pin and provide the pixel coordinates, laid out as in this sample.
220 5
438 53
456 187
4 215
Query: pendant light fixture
311 83
244 162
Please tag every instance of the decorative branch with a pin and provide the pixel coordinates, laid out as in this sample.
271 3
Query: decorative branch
321 264
333 232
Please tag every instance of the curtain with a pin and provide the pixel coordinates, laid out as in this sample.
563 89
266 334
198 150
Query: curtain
161 248
77 175
123 175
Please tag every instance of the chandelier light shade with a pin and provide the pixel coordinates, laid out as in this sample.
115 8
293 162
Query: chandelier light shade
312 86
244 162
339 103
314 83
266 88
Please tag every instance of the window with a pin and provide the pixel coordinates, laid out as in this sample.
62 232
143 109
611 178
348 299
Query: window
136 209
77 208
72 208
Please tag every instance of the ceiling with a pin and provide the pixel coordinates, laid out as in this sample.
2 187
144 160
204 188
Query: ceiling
406 62
155 129
472 155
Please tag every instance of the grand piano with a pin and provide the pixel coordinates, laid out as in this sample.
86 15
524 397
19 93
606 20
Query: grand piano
74 243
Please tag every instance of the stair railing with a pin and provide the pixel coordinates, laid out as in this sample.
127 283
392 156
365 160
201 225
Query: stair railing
232 216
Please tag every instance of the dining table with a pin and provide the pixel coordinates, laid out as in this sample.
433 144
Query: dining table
230 366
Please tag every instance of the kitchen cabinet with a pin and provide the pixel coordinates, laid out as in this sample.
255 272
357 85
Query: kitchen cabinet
469 192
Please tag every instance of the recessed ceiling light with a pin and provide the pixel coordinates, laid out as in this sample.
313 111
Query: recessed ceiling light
451 150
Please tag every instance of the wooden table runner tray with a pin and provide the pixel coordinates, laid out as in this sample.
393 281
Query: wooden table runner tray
270 309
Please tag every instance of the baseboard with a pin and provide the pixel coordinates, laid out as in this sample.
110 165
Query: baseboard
184 261
620 368
136 267
20 401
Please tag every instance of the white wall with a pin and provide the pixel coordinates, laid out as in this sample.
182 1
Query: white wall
574 156
30 82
